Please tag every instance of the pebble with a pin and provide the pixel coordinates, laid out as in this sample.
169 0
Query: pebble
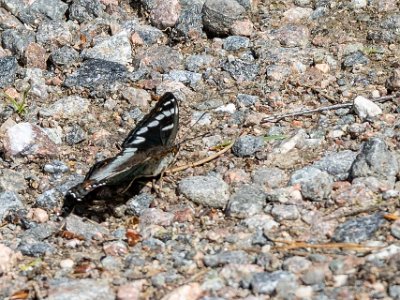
38 215
366 109
355 58
156 216
12 181
137 205
74 134
65 288
358 229
8 70
375 160
234 43
296 264
115 49
131 290
8 258
241 70
65 55
266 283
85 10
269 177
260 221
9 201
247 145
247 100
337 164
68 107
88 230
198 62
314 276
94 73
164 14
248 200
285 212
35 249
316 185
205 190
67 264
159 58
191 291
395 229
220 15
28 139
385 253
226 257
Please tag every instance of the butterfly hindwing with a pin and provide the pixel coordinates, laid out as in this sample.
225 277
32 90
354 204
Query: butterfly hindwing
143 151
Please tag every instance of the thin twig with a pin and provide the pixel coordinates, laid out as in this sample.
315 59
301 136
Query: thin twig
347 246
276 118
200 162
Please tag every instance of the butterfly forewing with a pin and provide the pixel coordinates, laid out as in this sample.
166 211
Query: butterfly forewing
144 152
158 128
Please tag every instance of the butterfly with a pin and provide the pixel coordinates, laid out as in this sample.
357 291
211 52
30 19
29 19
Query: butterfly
146 152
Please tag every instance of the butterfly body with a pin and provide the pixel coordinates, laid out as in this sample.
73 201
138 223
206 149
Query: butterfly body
146 152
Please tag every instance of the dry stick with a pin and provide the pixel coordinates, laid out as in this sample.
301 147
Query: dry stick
276 118
347 246
200 162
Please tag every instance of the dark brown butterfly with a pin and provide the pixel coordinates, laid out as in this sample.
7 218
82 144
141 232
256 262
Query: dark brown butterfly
146 152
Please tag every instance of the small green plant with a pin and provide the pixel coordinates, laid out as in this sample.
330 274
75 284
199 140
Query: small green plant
275 137
20 107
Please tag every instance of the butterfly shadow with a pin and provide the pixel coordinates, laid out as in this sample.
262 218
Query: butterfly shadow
102 202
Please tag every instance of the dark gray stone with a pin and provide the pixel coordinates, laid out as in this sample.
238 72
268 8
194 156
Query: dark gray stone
359 229
138 203
234 43
40 232
316 185
227 257
337 164
241 70
54 33
94 73
42 9
8 69
74 135
219 15
190 23
16 40
247 145
9 201
266 283
205 190
65 55
248 200
355 58
85 10
375 160
35 249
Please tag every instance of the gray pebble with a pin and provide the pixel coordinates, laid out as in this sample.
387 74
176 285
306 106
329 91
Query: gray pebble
355 58
205 190
12 181
226 257
35 249
358 229
84 10
234 43
247 100
248 200
337 164
138 203
74 135
241 70
375 160
247 145
316 185
266 283
285 212
83 288
96 72
269 177
9 201
65 55
8 70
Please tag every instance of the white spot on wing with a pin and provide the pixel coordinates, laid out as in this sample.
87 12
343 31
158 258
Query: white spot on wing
160 117
142 130
169 113
167 103
153 123
137 140
168 127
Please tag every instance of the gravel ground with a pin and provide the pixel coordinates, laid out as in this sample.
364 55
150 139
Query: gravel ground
301 207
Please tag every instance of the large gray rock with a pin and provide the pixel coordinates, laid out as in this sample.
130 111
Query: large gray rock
8 201
205 190
375 160
337 164
248 200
